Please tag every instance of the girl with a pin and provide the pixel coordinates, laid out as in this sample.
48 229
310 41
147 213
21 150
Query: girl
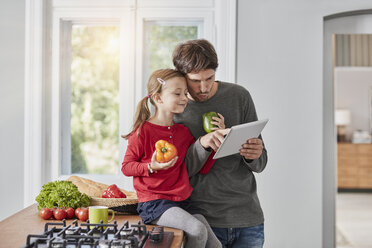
163 189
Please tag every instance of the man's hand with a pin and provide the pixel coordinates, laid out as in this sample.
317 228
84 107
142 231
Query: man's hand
252 149
155 165
219 122
214 139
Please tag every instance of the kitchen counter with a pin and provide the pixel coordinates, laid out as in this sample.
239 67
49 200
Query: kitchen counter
14 229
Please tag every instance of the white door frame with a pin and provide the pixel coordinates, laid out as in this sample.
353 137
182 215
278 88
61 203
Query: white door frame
346 23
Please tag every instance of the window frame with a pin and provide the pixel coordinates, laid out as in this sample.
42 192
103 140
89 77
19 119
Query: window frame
43 91
124 17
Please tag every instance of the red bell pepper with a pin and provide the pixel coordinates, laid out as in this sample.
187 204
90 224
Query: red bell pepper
113 192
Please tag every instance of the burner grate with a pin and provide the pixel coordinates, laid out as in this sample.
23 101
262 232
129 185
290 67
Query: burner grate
61 235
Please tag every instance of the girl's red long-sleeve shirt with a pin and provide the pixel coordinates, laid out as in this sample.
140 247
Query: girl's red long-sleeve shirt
173 183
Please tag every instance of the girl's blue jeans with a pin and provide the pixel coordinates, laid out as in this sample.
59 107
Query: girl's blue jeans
245 237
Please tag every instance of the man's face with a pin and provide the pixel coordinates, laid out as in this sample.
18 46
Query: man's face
200 84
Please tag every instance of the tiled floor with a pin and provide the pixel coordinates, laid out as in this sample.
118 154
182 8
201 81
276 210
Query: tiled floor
354 220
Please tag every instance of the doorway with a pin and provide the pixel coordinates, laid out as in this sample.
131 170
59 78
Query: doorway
351 23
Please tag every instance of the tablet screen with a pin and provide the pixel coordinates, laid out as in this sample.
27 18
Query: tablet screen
238 135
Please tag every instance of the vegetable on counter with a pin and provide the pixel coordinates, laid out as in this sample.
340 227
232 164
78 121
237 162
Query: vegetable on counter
207 118
83 214
70 213
61 194
46 213
165 151
60 214
113 192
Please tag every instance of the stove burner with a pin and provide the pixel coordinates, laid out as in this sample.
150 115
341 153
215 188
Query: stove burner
115 244
73 230
125 233
57 243
61 235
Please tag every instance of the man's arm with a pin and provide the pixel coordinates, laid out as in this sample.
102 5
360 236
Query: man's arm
196 157
253 152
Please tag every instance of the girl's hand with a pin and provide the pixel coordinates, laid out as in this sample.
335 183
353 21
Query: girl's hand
214 139
219 122
155 165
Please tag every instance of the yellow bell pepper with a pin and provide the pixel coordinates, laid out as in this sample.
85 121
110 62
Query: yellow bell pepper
165 151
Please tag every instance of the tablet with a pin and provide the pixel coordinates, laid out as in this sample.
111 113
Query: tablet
239 135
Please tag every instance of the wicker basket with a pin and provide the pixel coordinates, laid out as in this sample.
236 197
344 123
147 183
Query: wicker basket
120 205
95 189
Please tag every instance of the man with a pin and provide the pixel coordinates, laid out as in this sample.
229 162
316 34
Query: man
227 194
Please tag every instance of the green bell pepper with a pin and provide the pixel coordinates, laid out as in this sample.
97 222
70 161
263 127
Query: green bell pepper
207 118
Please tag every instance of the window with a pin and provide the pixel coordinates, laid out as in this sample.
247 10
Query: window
87 63
92 145
92 91
161 38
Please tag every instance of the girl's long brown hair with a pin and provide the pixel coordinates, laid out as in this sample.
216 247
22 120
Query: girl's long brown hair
153 86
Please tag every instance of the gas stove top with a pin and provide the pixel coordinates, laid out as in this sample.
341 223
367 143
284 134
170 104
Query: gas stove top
59 234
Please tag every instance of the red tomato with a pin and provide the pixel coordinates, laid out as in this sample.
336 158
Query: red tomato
70 213
83 214
60 214
77 211
46 213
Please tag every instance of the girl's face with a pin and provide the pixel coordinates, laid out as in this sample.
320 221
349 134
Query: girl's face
174 95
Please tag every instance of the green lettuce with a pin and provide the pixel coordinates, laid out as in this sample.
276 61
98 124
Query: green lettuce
61 194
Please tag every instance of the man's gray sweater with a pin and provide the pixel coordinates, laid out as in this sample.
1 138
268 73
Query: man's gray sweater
227 194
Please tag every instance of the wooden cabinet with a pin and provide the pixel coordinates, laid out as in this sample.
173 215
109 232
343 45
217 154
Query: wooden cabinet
354 166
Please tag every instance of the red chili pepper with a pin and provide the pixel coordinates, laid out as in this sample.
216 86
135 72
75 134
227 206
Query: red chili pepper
113 192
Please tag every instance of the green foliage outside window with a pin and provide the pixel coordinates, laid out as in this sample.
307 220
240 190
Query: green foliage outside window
94 102
162 40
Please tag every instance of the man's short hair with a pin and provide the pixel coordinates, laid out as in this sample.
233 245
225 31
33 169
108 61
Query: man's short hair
194 56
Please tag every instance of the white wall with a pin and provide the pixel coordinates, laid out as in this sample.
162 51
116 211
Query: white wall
353 89
280 60
12 30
